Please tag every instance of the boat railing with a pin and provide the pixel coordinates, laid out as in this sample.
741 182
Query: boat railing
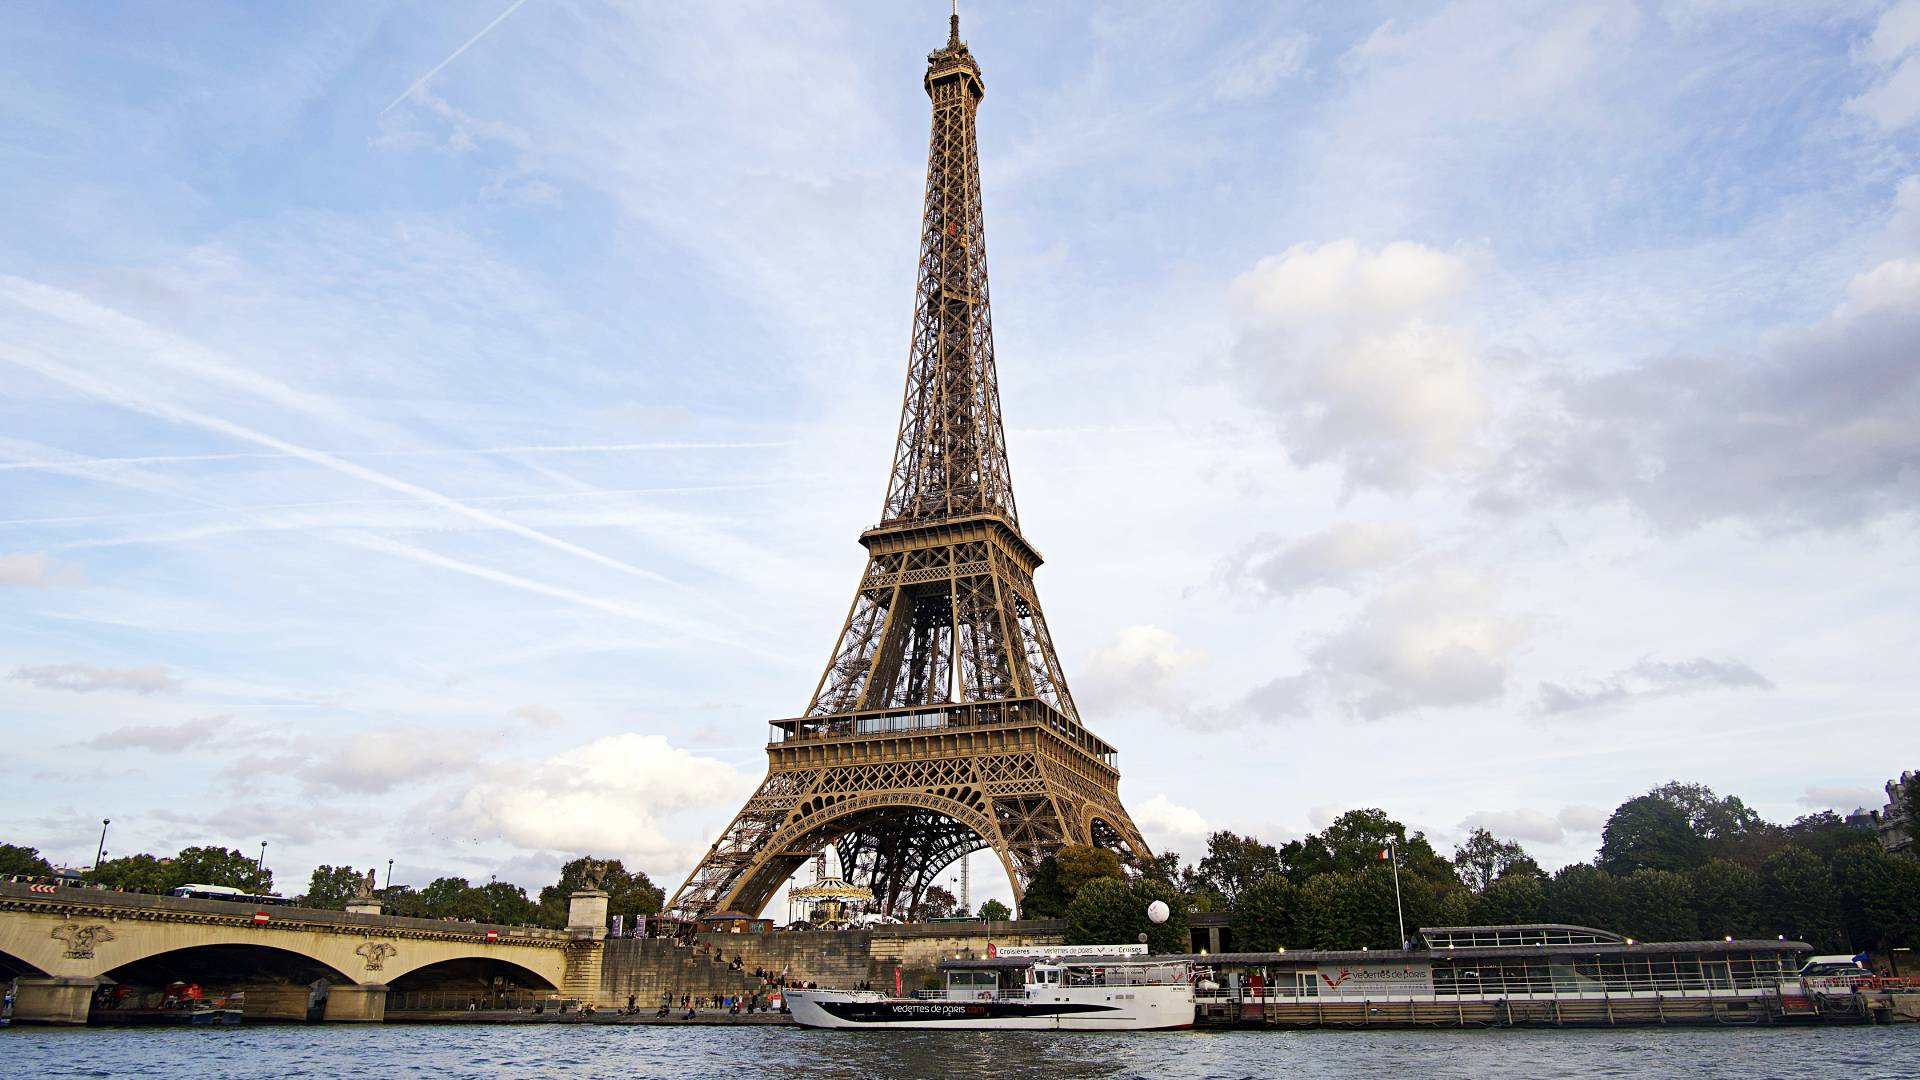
972 994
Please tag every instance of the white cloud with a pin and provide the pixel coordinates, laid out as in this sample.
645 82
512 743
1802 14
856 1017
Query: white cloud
540 716
1517 825
1142 664
607 796
86 678
1842 797
24 568
1335 557
1582 819
1894 100
163 738
1651 678
1260 66
1168 826
1434 640
1350 351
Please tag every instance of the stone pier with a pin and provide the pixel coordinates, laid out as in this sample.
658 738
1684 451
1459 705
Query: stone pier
43 999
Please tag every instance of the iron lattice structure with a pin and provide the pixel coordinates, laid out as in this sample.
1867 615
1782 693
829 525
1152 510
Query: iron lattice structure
942 724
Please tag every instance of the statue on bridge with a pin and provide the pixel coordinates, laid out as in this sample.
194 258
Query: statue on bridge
363 888
593 874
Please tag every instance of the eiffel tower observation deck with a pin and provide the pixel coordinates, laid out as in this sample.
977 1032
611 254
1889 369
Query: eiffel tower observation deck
942 724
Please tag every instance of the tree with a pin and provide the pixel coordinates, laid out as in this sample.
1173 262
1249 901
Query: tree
995 911
1649 833
629 893
1080 863
938 903
1044 898
1583 895
452 898
1355 909
1799 900
1234 862
1263 914
506 903
1879 897
1165 867
137 873
22 862
1726 899
1511 900
1485 858
1109 911
332 886
1657 905
1101 913
1712 818
220 866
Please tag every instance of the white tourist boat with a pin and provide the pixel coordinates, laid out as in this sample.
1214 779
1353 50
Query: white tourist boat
1116 991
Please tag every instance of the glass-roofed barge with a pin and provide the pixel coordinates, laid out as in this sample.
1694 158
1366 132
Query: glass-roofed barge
1537 974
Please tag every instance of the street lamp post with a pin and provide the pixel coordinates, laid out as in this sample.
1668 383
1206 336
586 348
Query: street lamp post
102 852
389 873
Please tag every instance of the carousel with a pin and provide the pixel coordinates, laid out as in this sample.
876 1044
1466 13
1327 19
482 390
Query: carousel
830 903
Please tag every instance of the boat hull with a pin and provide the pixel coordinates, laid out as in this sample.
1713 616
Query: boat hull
1140 1009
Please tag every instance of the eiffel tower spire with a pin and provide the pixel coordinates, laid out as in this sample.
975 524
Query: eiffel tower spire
942 723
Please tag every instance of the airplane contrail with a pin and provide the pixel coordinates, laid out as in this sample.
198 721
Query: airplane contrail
422 80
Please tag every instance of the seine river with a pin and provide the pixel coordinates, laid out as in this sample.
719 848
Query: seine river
645 1051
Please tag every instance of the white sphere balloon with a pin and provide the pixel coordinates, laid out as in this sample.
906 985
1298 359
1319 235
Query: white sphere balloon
1157 911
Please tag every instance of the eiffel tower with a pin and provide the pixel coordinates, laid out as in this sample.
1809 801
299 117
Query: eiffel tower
942 725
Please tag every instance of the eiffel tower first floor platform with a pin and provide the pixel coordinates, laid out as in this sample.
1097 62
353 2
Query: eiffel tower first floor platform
901 793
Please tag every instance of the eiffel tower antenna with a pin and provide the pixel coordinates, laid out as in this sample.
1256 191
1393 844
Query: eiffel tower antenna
942 724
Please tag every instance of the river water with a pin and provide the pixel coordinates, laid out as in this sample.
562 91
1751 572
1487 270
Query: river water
582 1051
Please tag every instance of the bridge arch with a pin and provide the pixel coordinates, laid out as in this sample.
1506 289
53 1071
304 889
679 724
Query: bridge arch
922 833
13 967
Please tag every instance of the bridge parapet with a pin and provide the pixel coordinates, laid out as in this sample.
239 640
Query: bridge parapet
100 903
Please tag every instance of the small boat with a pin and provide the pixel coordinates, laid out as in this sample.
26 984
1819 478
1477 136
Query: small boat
1029 993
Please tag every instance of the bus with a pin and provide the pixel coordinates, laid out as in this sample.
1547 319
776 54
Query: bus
194 891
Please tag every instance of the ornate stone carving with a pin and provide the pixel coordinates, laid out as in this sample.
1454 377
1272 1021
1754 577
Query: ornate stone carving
593 873
81 938
363 887
375 953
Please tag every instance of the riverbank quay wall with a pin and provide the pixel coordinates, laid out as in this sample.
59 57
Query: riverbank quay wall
651 969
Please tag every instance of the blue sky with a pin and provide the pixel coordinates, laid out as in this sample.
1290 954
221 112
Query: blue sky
1481 411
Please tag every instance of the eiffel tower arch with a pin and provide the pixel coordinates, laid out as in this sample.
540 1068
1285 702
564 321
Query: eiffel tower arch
942 724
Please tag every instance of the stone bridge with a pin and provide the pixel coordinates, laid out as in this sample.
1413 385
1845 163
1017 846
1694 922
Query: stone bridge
61 944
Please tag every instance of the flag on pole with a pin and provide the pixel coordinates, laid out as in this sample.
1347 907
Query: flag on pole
1385 854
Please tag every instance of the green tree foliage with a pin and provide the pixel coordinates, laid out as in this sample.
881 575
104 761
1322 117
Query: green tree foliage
1263 914
1081 863
995 911
506 904
1352 909
1514 899
1656 905
1726 899
1109 911
1164 867
1716 820
1485 858
938 903
1044 898
221 866
138 873
452 898
1799 899
332 886
1879 897
1583 895
1234 862
22 861
1060 876
1649 833
629 893
1825 834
